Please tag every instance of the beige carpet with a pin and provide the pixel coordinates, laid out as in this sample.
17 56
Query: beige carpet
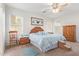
15 51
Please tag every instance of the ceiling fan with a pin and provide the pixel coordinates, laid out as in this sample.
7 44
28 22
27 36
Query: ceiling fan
55 7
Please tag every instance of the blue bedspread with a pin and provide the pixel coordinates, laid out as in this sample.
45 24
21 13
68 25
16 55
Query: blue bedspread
45 40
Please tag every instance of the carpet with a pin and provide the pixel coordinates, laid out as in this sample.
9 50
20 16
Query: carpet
29 52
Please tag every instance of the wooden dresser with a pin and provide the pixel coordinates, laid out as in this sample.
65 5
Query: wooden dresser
69 31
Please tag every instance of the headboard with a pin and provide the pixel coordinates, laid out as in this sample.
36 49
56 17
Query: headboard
36 29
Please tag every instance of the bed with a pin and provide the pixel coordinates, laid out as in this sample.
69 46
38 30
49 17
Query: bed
43 40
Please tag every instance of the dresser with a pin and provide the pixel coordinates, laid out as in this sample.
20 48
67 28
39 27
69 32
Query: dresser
69 31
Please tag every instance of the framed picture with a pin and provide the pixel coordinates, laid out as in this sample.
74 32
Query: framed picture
36 21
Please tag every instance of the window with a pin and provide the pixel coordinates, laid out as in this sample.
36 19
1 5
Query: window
16 24
57 28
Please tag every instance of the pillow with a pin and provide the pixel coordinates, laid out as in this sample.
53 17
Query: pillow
42 33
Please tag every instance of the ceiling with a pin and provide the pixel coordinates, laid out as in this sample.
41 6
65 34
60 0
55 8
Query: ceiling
39 7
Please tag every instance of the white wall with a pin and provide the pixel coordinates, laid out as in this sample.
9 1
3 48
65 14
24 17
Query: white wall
69 19
26 20
2 29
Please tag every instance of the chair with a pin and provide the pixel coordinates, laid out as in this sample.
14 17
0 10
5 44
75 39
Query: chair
13 38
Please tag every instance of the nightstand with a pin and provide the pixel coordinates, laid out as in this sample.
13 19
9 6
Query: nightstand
24 40
61 44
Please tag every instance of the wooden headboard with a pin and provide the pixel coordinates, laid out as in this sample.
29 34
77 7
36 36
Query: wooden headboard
36 29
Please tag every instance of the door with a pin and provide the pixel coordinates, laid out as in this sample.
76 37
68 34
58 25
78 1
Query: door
69 32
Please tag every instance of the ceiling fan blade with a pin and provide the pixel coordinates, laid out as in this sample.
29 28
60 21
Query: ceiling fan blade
54 5
45 10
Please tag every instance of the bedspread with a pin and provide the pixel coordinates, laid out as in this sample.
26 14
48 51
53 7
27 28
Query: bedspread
47 40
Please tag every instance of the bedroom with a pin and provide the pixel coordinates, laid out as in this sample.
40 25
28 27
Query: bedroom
20 16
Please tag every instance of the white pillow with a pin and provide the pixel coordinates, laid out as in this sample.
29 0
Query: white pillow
42 33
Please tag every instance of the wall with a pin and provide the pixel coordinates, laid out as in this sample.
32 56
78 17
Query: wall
69 19
2 29
26 20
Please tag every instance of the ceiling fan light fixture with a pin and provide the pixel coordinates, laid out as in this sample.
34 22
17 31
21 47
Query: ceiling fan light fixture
58 7
55 7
